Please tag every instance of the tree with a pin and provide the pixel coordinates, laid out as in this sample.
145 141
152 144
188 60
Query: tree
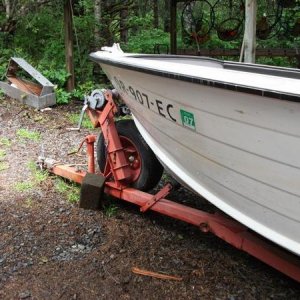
68 25
16 9
98 19
123 23
166 15
155 14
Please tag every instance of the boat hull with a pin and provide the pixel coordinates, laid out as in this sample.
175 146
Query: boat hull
239 151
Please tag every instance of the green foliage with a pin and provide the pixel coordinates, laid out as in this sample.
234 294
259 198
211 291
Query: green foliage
2 93
28 203
86 123
73 195
61 186
3 166
36 178
141 22
5 142
144 41
85 89
38 37
38 175
2 154
24 186
110 210
56 76
29 135
4 56
277 61
62 97
143 36
70 190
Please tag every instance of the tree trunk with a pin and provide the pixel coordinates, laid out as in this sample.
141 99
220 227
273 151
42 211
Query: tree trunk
97 30
68 26
173 27
123 25
7 8
167 15
155 14
144 7
106 22
250 31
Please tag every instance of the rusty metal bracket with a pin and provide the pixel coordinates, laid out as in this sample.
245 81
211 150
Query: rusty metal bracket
160 195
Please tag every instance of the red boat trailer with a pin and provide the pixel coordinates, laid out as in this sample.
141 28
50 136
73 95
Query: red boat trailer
115 181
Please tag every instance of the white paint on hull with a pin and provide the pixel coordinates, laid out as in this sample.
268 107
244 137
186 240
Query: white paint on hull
242 156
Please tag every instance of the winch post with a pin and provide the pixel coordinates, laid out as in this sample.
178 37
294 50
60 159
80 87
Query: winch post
115 153
104 118
90 141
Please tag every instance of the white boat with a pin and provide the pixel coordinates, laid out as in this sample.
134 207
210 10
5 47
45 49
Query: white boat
228 131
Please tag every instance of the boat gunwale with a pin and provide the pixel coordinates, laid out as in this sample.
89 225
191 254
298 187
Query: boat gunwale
260 69
232 65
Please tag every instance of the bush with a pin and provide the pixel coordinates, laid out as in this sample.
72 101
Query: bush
145 41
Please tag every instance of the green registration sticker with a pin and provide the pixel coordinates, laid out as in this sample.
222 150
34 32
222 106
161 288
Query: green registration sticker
187 119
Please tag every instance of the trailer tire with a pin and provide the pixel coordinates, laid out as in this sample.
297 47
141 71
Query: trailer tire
145 166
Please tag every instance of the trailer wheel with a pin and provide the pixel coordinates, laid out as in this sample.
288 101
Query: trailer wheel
146 168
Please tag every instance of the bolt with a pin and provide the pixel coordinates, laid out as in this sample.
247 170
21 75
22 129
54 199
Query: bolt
204 227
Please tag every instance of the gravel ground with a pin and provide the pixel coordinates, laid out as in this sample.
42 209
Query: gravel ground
51 249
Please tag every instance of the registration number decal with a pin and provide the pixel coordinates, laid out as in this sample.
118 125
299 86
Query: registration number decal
188 119
161 106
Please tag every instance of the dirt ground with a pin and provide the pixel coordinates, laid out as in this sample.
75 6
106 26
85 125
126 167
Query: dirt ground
51 249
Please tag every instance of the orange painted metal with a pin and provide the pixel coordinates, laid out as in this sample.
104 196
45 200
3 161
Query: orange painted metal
115 152
132 157
94 116
220 225
90 140
227 229
68 172
160 195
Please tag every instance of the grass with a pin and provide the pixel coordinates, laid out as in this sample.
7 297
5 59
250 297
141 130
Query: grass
28 135
110 210
2 94
3 166
126 117
73 195
24 186
73 150
37 177
28 203
86 123
5 142
61 186
70 190
2 154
